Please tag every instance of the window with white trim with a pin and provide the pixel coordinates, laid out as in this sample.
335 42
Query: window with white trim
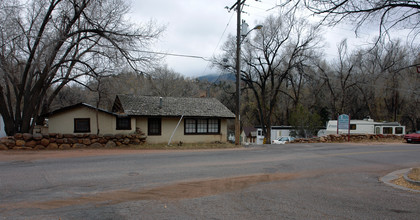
387 130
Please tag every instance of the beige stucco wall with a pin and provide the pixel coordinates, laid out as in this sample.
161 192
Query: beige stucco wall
63 122
168 126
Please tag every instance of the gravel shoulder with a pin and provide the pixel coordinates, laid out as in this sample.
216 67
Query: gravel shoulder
24 155
13 155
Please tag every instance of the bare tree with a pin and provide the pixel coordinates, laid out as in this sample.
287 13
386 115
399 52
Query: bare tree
391 14
376 82
387 71
282 45
340 79
166 82
411 106
45 44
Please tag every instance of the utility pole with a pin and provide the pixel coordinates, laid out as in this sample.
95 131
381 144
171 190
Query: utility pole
238 74
239 36
238 5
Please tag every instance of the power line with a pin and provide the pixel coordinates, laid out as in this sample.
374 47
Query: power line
218 43
163 53
173 54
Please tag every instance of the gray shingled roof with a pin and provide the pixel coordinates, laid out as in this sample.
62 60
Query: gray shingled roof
172 106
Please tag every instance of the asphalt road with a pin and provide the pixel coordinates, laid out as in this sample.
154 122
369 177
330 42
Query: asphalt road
298 181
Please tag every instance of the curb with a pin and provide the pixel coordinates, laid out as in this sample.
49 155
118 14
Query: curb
387 179
408 179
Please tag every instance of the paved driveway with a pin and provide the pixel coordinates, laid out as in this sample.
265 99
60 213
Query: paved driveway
297 181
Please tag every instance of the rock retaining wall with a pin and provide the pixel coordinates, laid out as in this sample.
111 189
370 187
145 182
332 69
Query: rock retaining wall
68 141
333 138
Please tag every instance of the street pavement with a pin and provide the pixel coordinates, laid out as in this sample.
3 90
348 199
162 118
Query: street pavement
292 181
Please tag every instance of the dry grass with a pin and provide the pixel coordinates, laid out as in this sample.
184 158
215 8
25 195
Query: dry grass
401 182
414 174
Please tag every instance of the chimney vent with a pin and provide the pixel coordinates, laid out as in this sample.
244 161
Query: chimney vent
160 102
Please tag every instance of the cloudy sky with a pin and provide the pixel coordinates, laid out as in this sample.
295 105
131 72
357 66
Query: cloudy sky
200 27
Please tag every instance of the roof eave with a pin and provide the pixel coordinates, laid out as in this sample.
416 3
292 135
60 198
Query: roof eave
185 116
81 104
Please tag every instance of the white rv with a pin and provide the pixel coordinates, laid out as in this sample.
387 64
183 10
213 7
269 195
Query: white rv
365 126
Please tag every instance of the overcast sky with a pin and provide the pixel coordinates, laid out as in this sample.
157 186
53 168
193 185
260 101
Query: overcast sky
196 27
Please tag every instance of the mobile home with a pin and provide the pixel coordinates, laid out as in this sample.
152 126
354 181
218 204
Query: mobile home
365 126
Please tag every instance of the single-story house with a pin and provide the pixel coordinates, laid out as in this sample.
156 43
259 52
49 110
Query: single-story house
188 120
81 119
249 135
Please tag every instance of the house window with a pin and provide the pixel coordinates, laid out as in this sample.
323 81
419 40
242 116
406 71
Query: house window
81 125
123 123
353 127
387 130
214 126
190 126
154 126
202 126
398 130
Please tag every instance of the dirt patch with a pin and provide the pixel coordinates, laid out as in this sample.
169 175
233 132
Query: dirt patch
16 155
178 191
373 142
414 174
186 146
54 154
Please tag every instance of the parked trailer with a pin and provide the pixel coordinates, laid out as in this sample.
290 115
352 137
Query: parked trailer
365 126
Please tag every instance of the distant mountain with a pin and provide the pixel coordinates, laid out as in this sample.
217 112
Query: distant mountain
215 78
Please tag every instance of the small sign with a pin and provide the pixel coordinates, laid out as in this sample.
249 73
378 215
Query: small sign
343 122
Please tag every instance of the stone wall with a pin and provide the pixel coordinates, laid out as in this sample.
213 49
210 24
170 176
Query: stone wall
68 141
334 138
